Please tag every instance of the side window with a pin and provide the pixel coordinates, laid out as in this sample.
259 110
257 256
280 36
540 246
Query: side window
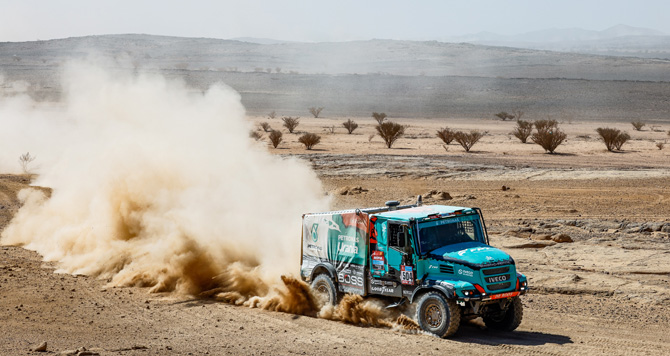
397 235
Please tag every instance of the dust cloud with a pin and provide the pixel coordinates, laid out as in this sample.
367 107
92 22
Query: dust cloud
157 185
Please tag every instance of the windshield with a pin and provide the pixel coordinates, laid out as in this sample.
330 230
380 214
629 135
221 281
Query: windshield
437 233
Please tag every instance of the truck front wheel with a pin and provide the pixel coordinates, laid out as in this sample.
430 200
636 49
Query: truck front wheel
506 320
325 288
437 314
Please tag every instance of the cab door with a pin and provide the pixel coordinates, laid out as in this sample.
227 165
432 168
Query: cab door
389 258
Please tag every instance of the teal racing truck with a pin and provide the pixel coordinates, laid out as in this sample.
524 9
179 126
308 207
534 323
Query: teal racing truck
437 257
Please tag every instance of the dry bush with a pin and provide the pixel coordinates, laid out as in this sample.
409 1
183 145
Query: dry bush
518 114
503 115
255 135
275 138
329 129
24 161
272 114
309 140
620 140
290 123
522 130
467 140
668 132
660 145
637 125
315 111
371 137
613 138
390 132
548 135
446 135
379 117
265 126
350 125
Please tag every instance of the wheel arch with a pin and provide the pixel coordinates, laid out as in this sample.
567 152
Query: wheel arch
326 268
446 291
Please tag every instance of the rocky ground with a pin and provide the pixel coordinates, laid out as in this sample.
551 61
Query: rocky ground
596 253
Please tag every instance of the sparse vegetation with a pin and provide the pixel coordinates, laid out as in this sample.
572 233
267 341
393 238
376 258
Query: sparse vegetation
548 135
503 115
379 117
518 114
309 140
523 130
613 138
315 111
660 145
272 114
446 135
275 138
390 132
330 129
265 126
467 140
290 123
350 125
255 135
25 160
638 125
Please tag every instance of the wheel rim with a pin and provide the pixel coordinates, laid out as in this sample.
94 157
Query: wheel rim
433 315
322 289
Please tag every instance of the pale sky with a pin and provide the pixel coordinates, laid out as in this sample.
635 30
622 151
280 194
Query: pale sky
314 20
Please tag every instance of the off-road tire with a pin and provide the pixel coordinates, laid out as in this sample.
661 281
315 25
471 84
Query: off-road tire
509 319
437 314
323 284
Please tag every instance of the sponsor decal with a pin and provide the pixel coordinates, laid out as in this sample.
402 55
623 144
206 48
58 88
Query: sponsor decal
496 279
432 267
465 272
350 279
382 290
314 247
407 275
315 233
476 249
504 295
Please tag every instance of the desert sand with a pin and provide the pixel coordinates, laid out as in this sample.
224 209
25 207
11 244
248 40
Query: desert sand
605 293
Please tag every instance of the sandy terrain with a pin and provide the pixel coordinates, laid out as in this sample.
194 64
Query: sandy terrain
605 293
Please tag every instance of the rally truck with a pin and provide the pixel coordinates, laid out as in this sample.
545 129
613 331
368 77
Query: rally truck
433 256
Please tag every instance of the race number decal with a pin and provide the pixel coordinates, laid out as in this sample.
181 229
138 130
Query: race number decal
406 275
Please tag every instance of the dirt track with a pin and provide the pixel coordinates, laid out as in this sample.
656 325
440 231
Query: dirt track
602 311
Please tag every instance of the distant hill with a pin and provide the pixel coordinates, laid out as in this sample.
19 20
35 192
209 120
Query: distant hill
619 40
380 57
401 78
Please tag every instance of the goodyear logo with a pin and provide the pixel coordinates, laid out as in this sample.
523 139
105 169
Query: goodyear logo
315 235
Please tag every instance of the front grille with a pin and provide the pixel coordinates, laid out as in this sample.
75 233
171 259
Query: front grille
447 269
499 286
499 270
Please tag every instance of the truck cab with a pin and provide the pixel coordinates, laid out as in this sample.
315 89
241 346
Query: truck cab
436 256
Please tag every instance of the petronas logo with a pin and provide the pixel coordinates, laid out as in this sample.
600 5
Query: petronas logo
315 235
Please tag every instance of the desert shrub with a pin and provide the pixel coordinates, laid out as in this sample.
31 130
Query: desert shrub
518 114
620 140
548 135
315 111
265 126
255 135
275 138
390 132
290 123
503 115
379 117
613 138
660 145
668 132
522 130
637 125
446 135
350 125
467 140
309 140
25 160
272 114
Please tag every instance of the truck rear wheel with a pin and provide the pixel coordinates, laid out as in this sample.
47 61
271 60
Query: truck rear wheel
506 320
324 287
437 314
